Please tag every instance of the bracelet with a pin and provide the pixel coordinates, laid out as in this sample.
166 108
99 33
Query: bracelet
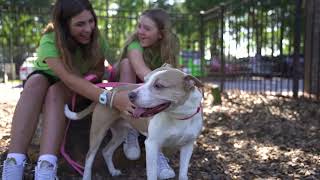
112 97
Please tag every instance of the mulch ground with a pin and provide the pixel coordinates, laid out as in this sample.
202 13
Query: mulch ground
246 137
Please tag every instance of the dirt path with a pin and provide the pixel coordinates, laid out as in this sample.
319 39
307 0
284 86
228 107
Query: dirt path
247 137
8 99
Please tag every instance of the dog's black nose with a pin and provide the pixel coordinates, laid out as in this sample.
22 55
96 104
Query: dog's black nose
132 96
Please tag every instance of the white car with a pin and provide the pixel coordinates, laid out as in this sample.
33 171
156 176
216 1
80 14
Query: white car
26 68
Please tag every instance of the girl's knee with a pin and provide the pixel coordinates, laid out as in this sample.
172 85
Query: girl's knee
125 64
36 83
127 73
58 91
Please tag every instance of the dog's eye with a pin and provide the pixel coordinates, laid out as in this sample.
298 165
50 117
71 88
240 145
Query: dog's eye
158 86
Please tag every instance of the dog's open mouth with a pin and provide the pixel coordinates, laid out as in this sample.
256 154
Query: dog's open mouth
147 112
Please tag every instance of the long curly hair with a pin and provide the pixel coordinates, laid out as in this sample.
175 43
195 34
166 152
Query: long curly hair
169 44
63 12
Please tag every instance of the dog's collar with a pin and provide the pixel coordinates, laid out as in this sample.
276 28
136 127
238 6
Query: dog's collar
190 116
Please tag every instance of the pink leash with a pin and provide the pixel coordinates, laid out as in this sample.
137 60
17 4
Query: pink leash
76 166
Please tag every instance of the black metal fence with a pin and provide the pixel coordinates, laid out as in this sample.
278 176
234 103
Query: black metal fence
20 29
253 46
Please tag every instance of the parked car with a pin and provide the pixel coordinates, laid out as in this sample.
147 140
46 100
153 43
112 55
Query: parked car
229 68
289 66
261 65
26 68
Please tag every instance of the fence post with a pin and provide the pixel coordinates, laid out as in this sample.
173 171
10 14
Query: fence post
202 44
221 46
311 49
107 21
297 36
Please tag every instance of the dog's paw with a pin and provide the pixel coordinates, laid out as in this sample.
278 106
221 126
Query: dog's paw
115 172
166 173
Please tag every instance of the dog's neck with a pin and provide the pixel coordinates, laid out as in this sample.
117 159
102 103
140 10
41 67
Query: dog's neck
189 107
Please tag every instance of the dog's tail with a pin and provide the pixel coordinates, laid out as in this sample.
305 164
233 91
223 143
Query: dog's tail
78 115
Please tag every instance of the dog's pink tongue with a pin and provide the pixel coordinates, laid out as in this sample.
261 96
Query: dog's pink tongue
138 112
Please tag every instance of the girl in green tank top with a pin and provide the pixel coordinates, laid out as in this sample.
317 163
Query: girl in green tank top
70 48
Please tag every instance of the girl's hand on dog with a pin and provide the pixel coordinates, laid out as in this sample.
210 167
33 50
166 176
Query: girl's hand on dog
122 103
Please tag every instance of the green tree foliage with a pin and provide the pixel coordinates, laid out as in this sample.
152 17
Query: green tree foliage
20 27
203 5
265 26
30 3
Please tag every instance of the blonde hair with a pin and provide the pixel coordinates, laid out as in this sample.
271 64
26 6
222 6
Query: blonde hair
63 12
169 44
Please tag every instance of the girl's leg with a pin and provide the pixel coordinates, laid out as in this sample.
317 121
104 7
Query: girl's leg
54 120
131 146
24 123
127 73
26 114
53 127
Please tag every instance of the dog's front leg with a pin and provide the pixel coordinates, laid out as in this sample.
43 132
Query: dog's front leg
185 156
152 150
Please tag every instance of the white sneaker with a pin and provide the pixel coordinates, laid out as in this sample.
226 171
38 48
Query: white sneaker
131 146
164 170
12 171
45 171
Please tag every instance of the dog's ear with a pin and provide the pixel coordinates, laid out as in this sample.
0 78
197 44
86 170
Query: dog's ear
167 65
152 72
191 82
146 78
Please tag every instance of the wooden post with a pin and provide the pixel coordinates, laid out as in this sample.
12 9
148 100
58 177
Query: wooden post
215 92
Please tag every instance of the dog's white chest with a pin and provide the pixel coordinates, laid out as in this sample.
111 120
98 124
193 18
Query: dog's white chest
178 139
174 133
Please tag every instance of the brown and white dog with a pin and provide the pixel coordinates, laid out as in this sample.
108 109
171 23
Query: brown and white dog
178 124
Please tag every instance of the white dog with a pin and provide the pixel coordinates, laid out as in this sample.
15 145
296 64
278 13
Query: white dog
168 112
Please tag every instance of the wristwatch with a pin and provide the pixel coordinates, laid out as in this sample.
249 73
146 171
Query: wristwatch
103 98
